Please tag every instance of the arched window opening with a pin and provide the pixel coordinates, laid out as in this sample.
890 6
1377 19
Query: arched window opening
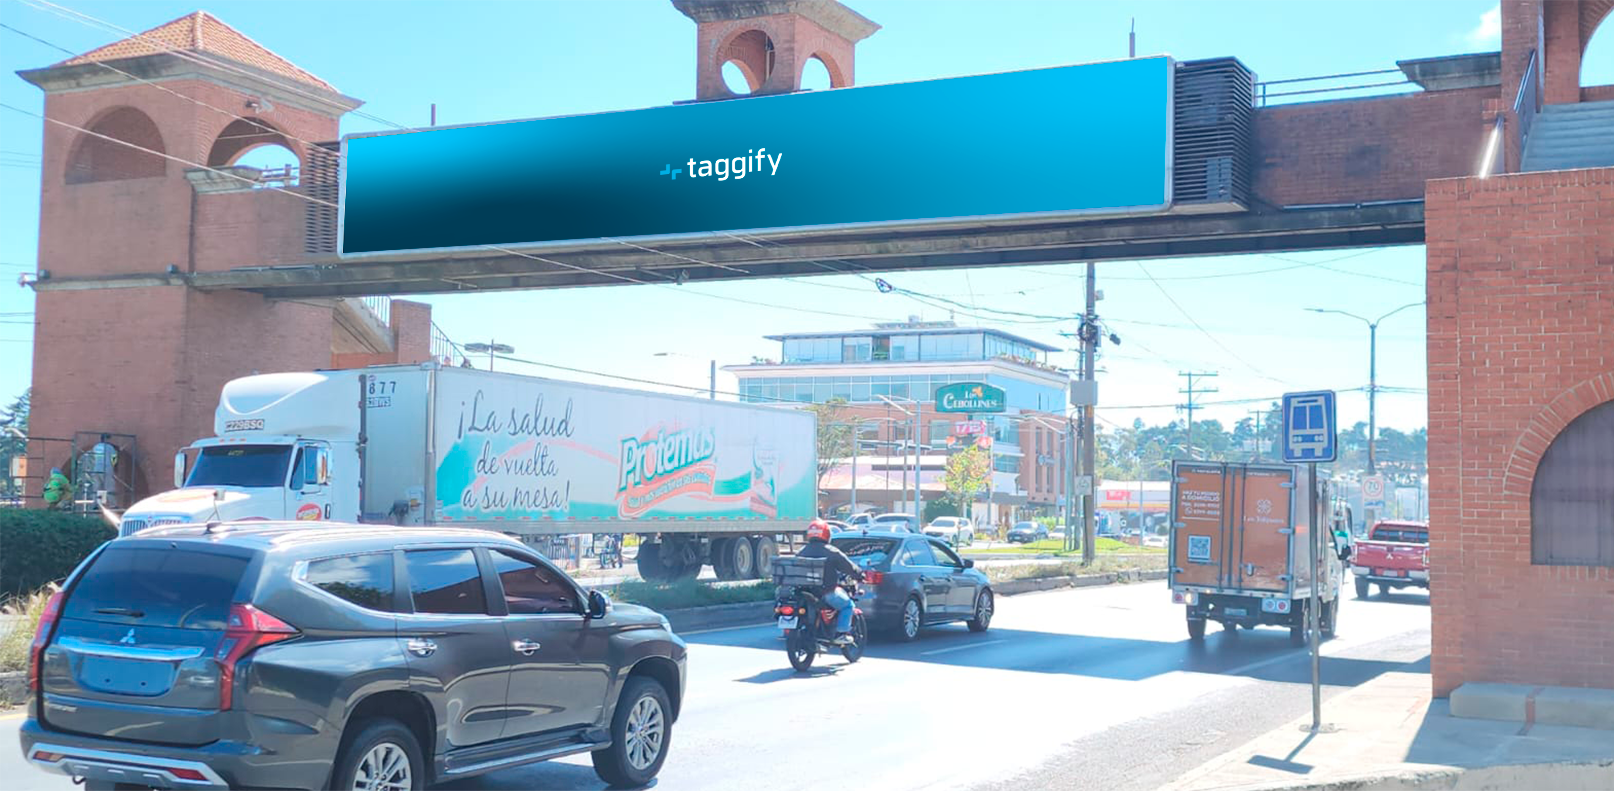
1572 496
133 152
815 75
748 61
252 142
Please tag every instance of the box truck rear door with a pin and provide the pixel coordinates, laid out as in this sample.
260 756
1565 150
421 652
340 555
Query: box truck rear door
1264 512
1200 537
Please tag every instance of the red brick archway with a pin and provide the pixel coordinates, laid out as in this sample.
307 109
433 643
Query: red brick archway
1545 427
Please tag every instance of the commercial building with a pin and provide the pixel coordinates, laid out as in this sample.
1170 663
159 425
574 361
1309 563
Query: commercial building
906 362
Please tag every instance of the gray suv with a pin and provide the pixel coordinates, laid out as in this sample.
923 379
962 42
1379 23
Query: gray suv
333 656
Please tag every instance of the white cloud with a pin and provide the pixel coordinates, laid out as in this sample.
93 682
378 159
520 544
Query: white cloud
1488 33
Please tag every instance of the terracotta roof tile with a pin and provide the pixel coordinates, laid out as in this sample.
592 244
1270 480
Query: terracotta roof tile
204 33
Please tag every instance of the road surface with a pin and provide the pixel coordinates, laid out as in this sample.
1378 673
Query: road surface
1090 688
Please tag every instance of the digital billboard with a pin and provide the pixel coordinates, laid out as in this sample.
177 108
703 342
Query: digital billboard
1092 138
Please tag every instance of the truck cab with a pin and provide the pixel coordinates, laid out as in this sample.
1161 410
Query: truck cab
286 448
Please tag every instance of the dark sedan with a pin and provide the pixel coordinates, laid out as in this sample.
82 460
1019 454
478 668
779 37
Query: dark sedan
1027 532
915 581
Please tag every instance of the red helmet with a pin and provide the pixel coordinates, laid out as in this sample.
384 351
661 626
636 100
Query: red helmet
818 530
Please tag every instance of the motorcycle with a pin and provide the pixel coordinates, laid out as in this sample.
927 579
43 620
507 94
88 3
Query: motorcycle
809 625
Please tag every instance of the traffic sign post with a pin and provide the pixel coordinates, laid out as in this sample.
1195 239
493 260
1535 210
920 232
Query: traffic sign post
1373 492
1310 435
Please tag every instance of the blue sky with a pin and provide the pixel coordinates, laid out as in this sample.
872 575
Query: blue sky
482 61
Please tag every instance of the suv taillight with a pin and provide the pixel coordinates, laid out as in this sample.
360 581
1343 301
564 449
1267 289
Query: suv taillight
36 652
249 629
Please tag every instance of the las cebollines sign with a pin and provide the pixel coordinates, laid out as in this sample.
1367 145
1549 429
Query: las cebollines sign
969 397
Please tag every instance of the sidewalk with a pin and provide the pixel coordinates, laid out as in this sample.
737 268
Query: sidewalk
1389 734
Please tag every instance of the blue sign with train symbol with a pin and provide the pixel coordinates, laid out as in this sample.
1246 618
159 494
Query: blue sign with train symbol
1309 428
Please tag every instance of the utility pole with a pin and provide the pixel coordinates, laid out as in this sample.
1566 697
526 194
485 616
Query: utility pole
1192 405
1131 50
1090 339
712 387
918 467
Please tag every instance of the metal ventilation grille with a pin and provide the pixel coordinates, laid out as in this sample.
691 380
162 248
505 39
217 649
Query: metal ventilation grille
321 180
1214 128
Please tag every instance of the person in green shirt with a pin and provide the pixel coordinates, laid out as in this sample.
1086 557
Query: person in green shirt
58 490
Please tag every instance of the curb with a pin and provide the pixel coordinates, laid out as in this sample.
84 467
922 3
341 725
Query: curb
1013 587
1566 776
694 619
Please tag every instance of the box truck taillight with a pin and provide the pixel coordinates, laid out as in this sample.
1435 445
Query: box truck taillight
249 629
1184 597
47 620
1275 605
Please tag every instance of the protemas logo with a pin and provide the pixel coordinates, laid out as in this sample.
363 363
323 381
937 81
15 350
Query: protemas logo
661 465
722 169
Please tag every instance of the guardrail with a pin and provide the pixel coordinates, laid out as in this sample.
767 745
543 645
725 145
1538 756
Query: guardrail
1527 102
444 350
380 308
1264 94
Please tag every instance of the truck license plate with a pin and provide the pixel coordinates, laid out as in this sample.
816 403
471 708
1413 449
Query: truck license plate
1394 573
1238 611
787 623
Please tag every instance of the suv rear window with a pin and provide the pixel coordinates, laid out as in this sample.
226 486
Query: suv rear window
158 586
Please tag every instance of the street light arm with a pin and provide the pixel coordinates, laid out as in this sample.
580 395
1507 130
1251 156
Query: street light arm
1342 313
1398 310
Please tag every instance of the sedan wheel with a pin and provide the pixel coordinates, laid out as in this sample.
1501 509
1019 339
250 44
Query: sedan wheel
983 612
911 616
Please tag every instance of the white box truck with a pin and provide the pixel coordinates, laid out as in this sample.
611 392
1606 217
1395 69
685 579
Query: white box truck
700 481
1240 551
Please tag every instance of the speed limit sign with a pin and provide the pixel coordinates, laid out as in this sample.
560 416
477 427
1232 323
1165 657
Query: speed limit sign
1373 491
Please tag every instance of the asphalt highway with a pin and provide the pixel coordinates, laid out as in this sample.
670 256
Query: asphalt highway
1094 688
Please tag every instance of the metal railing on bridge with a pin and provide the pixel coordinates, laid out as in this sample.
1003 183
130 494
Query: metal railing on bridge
444 350
1526 105
1314 86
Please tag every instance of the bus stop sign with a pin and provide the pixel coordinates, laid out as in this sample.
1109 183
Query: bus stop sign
1310 433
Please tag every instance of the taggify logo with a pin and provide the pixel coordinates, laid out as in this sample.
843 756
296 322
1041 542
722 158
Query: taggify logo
722 169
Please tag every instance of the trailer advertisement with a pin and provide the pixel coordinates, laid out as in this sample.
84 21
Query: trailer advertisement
517 448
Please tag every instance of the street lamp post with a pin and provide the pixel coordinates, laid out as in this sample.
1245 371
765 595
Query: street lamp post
490 349
1372 386
711 387
918 464
1372 374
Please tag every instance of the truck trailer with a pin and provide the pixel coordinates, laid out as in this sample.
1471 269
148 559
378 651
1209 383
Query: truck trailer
1239 547
700 481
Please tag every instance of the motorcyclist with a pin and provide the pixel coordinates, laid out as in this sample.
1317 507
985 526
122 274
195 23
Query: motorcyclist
837 563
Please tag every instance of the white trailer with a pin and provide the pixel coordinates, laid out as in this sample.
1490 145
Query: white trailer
700 481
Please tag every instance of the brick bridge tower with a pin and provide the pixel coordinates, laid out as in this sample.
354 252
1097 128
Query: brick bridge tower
771 41
128 127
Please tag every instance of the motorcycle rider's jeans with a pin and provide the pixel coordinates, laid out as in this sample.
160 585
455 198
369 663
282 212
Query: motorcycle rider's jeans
842 604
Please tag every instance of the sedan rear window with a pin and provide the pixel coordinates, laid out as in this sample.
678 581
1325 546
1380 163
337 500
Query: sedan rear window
866 552
158 586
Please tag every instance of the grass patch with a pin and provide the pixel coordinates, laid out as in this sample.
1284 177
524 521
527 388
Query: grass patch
690 593
1056 547
17 630
1071 568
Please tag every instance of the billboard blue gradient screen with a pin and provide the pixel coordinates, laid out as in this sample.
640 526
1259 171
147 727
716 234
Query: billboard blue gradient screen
1090 138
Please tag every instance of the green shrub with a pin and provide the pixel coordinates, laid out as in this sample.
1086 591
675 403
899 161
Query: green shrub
690 593
17 630
40 547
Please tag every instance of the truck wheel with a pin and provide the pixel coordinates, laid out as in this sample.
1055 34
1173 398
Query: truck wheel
742 558
1196 629
1297 625
1363 589
641 731
1330 618
651 568
720 559
766 550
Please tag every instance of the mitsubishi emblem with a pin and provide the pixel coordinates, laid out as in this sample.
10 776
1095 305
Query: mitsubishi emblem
128 639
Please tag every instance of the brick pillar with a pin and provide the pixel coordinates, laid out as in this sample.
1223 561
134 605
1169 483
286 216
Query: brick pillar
1521 310
771 41
411 331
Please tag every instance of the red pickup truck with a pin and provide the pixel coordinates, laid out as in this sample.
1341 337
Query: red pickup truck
1394 555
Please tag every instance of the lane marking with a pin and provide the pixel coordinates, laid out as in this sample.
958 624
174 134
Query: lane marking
936 651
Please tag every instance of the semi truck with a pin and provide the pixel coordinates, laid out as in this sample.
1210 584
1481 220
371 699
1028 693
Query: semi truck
701 482
1239 551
